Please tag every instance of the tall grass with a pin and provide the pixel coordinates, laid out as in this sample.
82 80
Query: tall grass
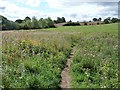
95 64
35 59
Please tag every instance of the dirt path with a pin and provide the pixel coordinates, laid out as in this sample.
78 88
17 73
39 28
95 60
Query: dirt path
65 81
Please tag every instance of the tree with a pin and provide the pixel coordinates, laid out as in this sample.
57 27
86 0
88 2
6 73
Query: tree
28 24
72 24
114 20
7 24
99 19
19 21
94 19
106 21
85 23
109 18
50 22
35 23
63 19
55 21
59 20
27 18
41 23
70 21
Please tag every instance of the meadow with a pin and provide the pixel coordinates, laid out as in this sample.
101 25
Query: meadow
35 58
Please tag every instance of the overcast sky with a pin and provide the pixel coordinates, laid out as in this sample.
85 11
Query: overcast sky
75 10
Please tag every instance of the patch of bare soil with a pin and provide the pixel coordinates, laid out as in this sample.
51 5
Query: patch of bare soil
66 79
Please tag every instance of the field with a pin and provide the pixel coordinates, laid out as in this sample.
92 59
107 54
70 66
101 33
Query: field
36 58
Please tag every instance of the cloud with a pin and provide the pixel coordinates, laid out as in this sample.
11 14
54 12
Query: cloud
73 15
13 12
72 3
77 10
2 8
71 9
33 3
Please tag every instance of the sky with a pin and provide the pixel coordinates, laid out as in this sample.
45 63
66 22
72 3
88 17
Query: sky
75 10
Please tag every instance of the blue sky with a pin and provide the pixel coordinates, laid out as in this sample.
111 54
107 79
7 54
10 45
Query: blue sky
75 10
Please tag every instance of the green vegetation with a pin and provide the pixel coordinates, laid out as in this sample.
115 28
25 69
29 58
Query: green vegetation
27 23
95 63
71 24
60 20
41 23
35 59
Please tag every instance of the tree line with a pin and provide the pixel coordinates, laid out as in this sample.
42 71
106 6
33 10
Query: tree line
29 23
34 23
107 20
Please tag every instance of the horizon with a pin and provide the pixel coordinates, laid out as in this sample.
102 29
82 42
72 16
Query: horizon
71 10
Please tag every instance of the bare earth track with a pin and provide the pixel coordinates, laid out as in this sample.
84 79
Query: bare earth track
66 79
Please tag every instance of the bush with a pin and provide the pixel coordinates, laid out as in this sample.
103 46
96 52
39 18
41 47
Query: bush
72 24
98 23
85 23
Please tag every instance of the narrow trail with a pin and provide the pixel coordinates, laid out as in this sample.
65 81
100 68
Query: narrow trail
66 79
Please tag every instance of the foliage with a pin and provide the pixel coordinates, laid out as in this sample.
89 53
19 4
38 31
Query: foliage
60 20
114 20
35 59
19 21
72 24
95 64
27 23
94 19
107 20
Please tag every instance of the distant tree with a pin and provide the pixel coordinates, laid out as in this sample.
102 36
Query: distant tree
107 20
4 22
72 24
85 23
70 21
35 23
41 23
94 19
19 21
7 24
118 20
27 18
50 22
55 21
59 20
28 24
98 23
63 19
99 19
114 20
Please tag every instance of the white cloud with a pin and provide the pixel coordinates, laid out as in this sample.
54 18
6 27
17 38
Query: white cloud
12 11
33 3
83 11
71 9
71 3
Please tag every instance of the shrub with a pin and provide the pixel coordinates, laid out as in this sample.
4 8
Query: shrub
72 24
85 23
98 23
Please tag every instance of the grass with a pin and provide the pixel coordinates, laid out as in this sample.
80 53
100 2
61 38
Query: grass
35 58
95 63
